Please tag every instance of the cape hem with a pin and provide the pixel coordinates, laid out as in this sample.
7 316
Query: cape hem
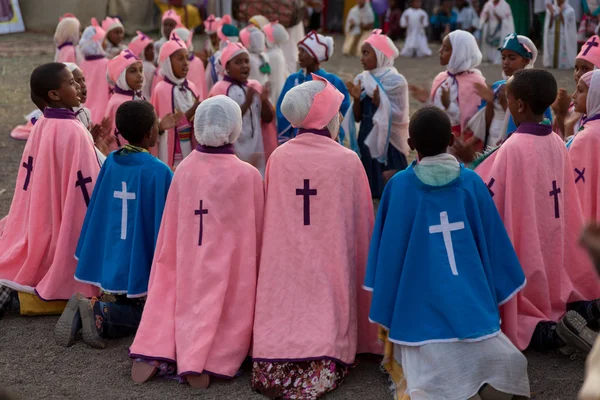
109 291
292 360
513 294
452 340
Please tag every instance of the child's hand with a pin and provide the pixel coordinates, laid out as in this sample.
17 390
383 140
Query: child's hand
463 151
354 90
376 97
418 93
352 25
266 92
562 103
106 144
484 92
101 130
502 97
422 20
250 96
169 121
445 97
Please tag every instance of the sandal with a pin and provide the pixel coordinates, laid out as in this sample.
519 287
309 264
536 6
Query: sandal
142 372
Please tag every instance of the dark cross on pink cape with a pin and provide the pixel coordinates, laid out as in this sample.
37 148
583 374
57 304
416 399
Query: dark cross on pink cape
29 167
175 38
201 212
555 192
128 54
591 43
580 175
82 182
306 192
489 186
210 22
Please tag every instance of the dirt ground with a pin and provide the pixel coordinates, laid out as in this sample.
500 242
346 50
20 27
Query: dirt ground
32 366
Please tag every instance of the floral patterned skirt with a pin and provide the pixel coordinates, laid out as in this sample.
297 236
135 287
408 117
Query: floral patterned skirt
306 380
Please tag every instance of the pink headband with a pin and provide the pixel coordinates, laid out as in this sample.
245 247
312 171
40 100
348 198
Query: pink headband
590 51
100 33
245 35
67 15
170 14
138 46
232 50
381 42
268 30
170 47
120 63
325 106
110 23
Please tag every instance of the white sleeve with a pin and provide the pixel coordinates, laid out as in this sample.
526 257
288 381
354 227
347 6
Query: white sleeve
404 20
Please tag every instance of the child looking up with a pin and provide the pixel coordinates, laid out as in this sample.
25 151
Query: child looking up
496 23
66 39
170 21
196 73
115 33
359 24
94 68
380 105
276 35
460 242
560 35
258 138
143 48
117 240
198 318
175 95
530 178
57 175
415 20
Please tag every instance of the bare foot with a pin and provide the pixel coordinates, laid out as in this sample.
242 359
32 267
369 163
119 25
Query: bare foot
198 381
142 372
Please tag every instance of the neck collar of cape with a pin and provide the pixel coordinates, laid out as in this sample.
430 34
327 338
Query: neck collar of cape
130 93
225 149
530 128
229 79
320 132
59 113
94 57
170 82
65 44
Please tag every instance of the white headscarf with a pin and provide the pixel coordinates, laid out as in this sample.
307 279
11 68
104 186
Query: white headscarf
256 41
218 121
525 41
71 66
121 83
88 46
466 55
184 34
67 30
183 99
593 98
318 46
297 102
280 36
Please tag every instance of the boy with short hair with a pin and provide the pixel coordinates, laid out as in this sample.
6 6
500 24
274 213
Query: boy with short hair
117 241
443 257
530 178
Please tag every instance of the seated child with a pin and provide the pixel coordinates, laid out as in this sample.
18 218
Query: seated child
276 35
253 39
115 33
57 173
198 317
530 178
196 73
117 240
560 35
496 23
451 271
584 148
258 138
380 105
443 21
415 20
359 24
175 95
170 21
143 47
66 39
94 68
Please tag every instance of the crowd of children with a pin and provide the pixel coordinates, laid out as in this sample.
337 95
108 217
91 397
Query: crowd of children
103 205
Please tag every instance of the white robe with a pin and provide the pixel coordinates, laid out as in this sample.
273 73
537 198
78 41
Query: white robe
415 21
279 72
256 60
290 48
567 48
494 31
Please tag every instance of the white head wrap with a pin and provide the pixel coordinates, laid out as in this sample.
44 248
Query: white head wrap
465 52
67 30
88 46
218 121
166 69
297 102
121 83
72 66
256 41
525 41
593 97
184 34
280 35
319 46
384 61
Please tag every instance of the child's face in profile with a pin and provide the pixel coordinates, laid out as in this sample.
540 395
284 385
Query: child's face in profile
515 106
116 36
512 62
368 57
168 26
445 51
180 63
135 76
153 135
305 60
149 53
581 68
239 67
580 97
80 79
67 95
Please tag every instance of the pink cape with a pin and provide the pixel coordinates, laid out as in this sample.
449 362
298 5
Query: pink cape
67 54
21 132
309 301
97 87
37 246
197 75
111 112
162 100
269 131
468 99
200 305
586 169
521 174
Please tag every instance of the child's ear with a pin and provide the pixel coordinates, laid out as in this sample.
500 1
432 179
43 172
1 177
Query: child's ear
410 144
451 141
522 106
53 95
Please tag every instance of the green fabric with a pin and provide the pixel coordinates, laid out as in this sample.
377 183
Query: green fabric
520 11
